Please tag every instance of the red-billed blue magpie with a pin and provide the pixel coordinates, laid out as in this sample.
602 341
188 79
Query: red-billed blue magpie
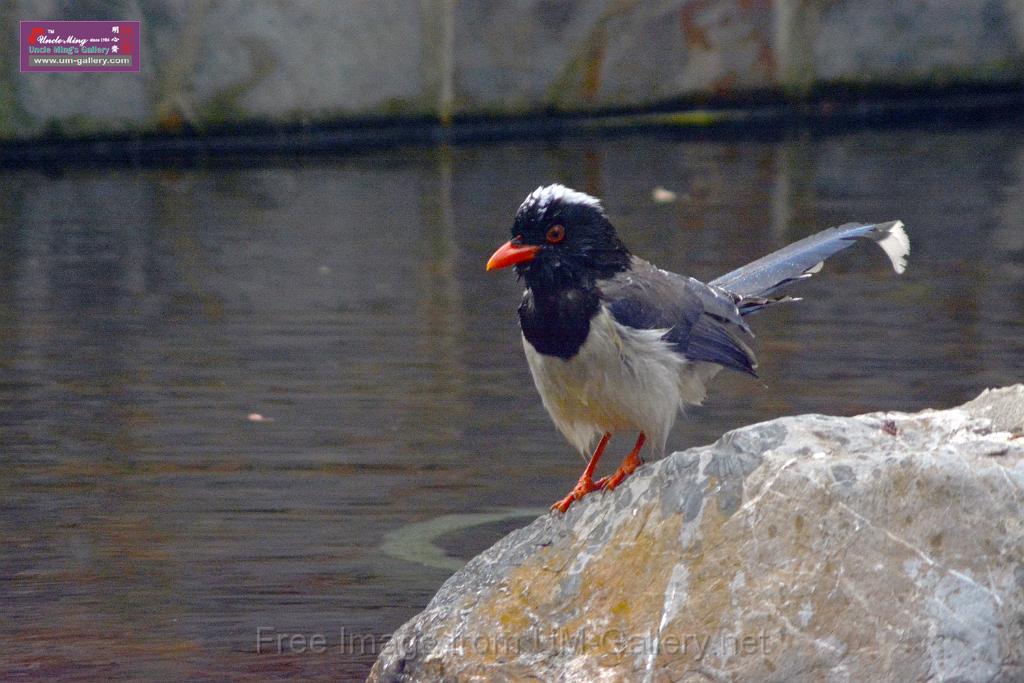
616 344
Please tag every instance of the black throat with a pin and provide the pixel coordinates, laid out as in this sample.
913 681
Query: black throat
557 321
561 299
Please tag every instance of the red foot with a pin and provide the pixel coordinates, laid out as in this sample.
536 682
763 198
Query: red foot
582 488
628 466
586 483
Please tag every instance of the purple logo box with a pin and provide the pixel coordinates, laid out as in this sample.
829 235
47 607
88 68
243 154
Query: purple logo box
79 46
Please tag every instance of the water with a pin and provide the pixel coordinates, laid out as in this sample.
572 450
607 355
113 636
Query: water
149 527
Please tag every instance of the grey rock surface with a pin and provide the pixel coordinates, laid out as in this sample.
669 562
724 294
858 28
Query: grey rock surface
209 62
881 547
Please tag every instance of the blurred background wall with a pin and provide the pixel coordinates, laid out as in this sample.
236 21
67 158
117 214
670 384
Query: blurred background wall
215 62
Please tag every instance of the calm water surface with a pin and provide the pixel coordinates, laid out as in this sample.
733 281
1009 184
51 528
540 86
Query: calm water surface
149 526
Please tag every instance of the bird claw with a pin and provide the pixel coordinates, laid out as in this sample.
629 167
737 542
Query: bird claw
612 481
584 486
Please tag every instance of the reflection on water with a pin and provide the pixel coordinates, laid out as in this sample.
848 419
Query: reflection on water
421 542
149 527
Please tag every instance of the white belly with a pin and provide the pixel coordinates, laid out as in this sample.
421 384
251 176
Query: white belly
622 379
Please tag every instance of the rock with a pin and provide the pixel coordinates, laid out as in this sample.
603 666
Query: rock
886 546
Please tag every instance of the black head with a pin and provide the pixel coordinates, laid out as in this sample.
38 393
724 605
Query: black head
561 238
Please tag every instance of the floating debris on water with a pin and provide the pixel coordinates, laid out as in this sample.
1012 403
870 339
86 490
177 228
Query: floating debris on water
661 195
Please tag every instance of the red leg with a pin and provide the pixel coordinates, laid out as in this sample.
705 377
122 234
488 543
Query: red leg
586 483
628 466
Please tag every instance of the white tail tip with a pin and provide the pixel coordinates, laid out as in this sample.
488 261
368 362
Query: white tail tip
894 241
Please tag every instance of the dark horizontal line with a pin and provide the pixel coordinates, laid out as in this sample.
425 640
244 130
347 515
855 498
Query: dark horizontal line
759 116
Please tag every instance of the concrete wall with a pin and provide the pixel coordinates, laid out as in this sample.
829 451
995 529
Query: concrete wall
209 62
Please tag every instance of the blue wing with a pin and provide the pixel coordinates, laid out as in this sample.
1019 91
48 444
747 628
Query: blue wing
701 323
705 322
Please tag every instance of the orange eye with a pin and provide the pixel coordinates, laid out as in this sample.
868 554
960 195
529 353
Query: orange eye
556 233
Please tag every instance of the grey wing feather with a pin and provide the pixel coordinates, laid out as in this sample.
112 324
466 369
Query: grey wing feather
705 322
701 322
802 259
713 341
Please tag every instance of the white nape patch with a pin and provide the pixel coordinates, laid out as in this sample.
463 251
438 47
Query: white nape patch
543 196
896 244
621 379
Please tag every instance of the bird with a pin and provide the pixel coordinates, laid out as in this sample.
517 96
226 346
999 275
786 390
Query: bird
615 344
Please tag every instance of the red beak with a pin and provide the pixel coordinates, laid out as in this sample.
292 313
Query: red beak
511 253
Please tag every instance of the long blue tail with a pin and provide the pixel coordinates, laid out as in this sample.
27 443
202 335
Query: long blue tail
754 284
